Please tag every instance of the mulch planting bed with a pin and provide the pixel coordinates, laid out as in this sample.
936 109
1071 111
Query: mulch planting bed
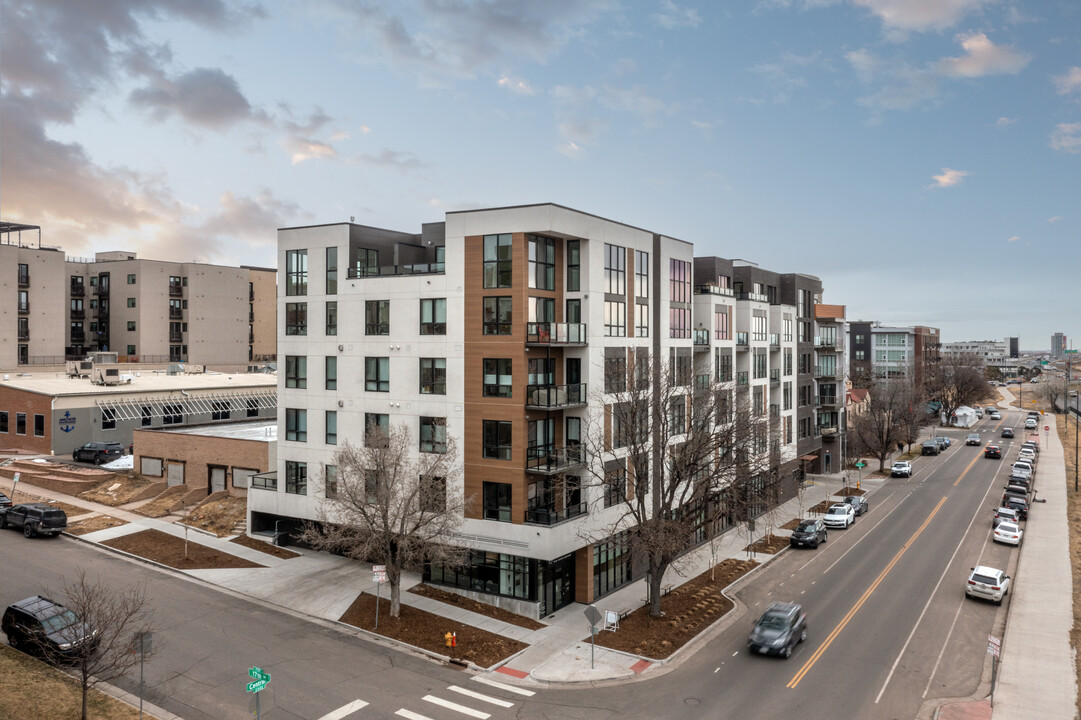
851 491
770 544
266 547
425 630
688 610
476 606
98 522
821 507
168 550
791 524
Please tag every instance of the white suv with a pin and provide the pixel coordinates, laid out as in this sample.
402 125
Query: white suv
902 468
839 515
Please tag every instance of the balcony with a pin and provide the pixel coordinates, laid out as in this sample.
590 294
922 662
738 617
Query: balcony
101 289
175 313
775 411
828 432
78 290
775 377
175 337
552 516
24 279
101 313
78 337
24 335
707 289
357 273
555 397
743 341
24 308
176 291
552 460
828 343
741 378
774 341
546 333
701 339
756 297
78 314
825 371
832 400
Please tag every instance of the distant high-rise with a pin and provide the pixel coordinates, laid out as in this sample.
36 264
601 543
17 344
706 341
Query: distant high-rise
1058 345
1015 349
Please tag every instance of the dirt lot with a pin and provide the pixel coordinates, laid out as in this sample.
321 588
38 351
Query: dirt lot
28 683
425 630
688 610
266 547
118 491
91 524
217 515
168 550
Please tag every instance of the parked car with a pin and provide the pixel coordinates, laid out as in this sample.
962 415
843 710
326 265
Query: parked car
1025 481
1019 504
34 519
39 626
1011 491
1004 514
990 409
930 447
901 468
858 503
5 501
808 532
1007 432
979 413
973 439
988 583
1008 533
98 452
1030 424
996 415
943 441
781 628
1028 456
1021 468
1032 443
839 515
992 451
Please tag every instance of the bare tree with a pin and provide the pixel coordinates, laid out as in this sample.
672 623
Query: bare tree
114 619
878 428
956 379
674 452
1053 390
389 504
912 415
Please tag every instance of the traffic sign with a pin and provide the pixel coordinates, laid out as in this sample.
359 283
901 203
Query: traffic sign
1047 428
593 615
379 573
262 679
861 464
256 686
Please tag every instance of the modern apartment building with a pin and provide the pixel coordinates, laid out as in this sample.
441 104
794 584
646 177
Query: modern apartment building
831 370
992 353
1058 345
1015 347
148 311
886 352
503 330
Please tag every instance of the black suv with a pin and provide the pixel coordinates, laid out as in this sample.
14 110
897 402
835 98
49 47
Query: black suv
98 452
39 626
781 628
808 532
34 519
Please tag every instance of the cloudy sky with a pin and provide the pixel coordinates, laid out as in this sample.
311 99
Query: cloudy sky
923 157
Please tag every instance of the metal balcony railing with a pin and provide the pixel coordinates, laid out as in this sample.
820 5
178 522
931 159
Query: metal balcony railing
743 341
24 308
553 516
775 341
757 297
176 313
391 270
825 371
741 377
551 460
78 290
547 333
828 400
775 377
701 339
176 291
707 289
24 279
550 397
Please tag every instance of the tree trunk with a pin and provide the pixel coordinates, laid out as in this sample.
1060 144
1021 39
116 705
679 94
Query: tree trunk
394 579
86 691
656 575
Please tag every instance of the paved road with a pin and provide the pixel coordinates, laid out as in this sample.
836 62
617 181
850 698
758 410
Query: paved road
889 628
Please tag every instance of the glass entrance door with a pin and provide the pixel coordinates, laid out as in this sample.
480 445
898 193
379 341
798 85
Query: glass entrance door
557 588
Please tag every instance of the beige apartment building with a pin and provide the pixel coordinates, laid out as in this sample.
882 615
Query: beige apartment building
147 311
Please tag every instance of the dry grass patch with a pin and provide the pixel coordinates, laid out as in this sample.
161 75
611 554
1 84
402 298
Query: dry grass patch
1067 430
476 606
93 524
175 552
218 515
425 630
120 490
164 504
30 688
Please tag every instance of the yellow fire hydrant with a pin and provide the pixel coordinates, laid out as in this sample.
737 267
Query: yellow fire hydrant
448 638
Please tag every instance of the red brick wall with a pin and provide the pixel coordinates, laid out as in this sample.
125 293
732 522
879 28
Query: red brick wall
13 401
199 452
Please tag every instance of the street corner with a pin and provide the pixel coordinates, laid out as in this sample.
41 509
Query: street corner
583 663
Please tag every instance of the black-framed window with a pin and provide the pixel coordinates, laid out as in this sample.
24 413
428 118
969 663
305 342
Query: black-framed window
679 276
131 349
296 272
332 317
574 265
220 410
497 439
433 494
39 425
296 318
497 261
489 572
433 316
498 315
611 564
332 427
615 270
377 374
376 423
330 481
542 263
131 326
615 486
296 424
172 414
253 407
615 318
433 434
332 270
615 374
497 377
3 421
330 372
377 317
131 302
108 420
131 278
497 503
677 415
641 320
641 274
296 477
433 376
296 371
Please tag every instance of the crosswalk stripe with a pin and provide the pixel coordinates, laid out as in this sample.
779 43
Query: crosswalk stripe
480 696
503 686
345 710
455 706
410 715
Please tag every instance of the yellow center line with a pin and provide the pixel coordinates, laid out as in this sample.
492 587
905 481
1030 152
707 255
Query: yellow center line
859 603
966 470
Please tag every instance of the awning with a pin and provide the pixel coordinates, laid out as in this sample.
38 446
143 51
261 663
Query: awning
808 458
157 407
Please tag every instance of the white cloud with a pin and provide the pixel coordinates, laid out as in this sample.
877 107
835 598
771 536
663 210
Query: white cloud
673 16
949 178
1015 238
301 149
920 15
1067 137
1005 122
1054 219
982 58
515 85
1069 81
865 63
